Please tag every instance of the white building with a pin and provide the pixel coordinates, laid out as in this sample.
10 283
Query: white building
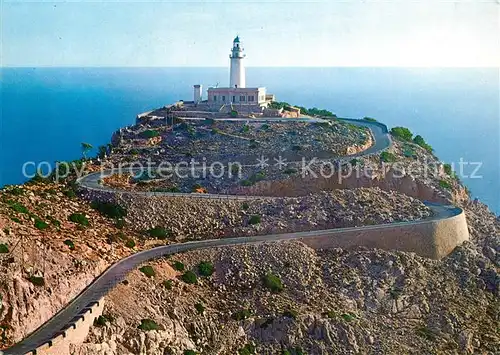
237 93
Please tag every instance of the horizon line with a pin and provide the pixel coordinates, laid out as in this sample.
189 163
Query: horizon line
256 66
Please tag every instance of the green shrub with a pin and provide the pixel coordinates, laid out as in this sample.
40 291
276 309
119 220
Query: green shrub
15 190
444 184
426 333
109 209
102 320
248 349
255 219
234 113
421 142
246 183
190 352
348 317
290 313
387 157
290 171
4 249
17 207
189 277
330 314
54 221
205 268
178 266
448 169
408 152
70 244
293 351
148 270
79 218
258 176
130 243
354 162
369 119
245 206
242 314
150 133
296 148
119 223
69 193
273 282
158 233
168 284
41 225
148 324
200 308
37 280
402 133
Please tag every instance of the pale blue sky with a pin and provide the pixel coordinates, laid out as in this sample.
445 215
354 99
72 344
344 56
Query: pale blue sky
334 33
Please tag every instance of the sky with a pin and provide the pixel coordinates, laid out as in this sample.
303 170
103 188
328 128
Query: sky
423 33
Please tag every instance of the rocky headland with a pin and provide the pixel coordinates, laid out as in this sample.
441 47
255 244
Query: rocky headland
275 298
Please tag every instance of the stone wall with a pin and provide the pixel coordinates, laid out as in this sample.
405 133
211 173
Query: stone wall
74 334
432 239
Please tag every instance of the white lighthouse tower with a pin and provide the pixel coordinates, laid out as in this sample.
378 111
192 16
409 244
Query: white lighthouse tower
236 97
237 70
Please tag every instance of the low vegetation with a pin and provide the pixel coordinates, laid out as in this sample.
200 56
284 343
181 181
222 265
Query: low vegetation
255 219
79 218
109 209
148 270
205 268
444 184
148 324
387 157
37 280
168 284
200 308
177 265
248 349
130 243
189 277
448 169
102 320
273 282
402 133
40 225
150 133
242 314
70 244
290 313
4 249
406 135
158 233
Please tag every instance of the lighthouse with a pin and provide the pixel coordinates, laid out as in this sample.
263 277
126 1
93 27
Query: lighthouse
237 69
236 97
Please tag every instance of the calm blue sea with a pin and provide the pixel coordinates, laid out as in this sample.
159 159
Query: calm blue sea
47 112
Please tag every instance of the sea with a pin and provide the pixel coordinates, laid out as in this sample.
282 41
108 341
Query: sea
46 113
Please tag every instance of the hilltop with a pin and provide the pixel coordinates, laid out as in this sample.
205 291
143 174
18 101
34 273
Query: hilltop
274 298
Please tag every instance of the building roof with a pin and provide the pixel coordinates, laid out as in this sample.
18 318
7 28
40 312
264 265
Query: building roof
237 39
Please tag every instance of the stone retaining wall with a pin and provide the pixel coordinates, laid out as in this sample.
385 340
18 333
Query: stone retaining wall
76 332
431 239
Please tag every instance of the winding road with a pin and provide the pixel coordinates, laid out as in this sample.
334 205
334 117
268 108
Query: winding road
117 272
